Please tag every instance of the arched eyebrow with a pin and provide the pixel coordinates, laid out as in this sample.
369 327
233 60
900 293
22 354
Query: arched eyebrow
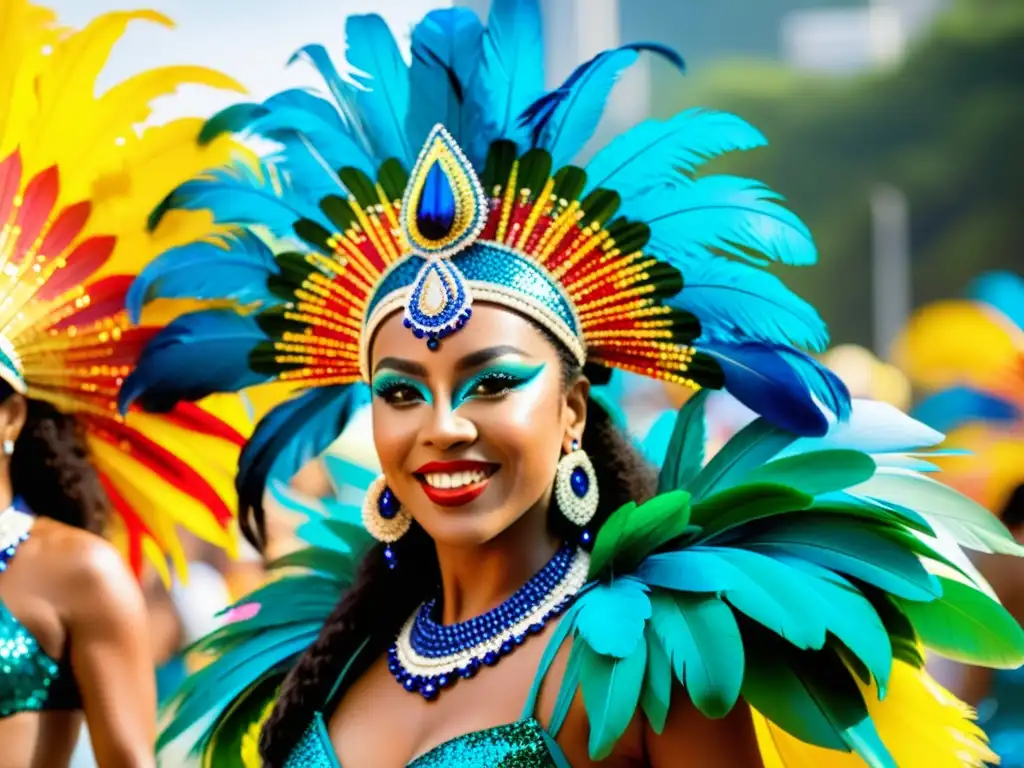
472 360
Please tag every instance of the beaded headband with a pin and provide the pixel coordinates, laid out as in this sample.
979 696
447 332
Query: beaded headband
531 243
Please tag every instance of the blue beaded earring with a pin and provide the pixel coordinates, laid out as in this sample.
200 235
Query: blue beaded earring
576 486
384 517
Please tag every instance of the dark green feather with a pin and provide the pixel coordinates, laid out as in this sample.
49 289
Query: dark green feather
685 455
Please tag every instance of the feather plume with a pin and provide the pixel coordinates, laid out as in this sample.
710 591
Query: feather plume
733 300
952 408
446 51
657 151
737 216
510 77
235 268
1004 292
213 344
383 102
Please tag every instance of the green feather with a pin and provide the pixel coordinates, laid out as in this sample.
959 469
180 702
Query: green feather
324 561
700 635
971 524
612 616
817 472
733 507
611 691
752 446
656 695
685 455
968 626
223 744
905 646
633 532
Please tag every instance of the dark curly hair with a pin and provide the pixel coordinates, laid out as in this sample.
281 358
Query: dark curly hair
382 599
51 470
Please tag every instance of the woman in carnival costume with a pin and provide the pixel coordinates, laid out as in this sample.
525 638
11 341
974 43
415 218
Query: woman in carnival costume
76 182
968 356
519 588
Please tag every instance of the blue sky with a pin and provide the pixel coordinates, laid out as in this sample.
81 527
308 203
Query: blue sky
249 39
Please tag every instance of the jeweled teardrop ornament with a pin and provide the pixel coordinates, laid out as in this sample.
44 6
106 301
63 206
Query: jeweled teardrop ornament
444 209
439 302
435 213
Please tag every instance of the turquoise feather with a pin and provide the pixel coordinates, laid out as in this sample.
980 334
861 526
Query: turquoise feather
732 298
509 79
627 600
752 446
702 640
656 151
737 216
816 473
1003 291
656 694
383 101
611 691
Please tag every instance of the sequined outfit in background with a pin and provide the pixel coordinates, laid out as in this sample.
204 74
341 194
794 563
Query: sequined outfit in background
448 181
77 180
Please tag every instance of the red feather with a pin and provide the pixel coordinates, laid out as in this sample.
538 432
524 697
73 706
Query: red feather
69 225
10 183
36 207
82 264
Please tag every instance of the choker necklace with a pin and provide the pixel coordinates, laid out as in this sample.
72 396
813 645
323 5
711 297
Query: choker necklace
14 528
428 657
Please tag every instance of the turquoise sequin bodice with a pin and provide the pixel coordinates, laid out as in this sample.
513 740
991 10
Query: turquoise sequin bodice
30 681
522 744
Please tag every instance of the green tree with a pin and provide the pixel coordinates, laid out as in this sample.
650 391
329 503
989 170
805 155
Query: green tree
944 127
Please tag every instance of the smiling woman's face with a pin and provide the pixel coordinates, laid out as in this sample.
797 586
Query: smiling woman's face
469 436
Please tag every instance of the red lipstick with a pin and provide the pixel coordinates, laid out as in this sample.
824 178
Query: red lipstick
455 497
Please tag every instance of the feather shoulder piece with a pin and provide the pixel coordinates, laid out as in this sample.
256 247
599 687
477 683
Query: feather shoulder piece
77 180
805 577
267 631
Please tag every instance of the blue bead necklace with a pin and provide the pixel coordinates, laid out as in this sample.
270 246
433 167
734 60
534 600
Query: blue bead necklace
428 657
14 531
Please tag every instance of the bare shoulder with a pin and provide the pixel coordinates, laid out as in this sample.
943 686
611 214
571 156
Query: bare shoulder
700 741
89 572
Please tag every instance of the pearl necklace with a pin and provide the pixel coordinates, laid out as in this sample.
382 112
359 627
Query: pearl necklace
14 529
428 657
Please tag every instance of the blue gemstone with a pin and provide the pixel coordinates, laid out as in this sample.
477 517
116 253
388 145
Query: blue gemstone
433 344
444 681
520 638
507 647
467 671
411 684
394 667
429 691
491 658
535 629
407 322
435 213
585 537
579 482
387 505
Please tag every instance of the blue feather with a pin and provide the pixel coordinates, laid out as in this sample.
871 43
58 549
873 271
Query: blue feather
342 92
739 216
1004 291
336 147
212 345
236 267
510 78
736 301
239 194
293 434
384 102
956 406
765 380
446 51
656 151
563 120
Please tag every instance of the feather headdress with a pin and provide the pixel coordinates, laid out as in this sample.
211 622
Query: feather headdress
76 183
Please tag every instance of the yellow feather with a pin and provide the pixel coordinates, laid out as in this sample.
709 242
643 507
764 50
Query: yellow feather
922 725
954 342
26 34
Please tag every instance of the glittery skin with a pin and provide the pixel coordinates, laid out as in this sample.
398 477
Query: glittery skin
515 745
30 681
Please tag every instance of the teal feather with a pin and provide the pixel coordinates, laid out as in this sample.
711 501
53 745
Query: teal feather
656 151
655 443
702 640
510 77
684 454
967 626
337 148
1003 291
625 599
752 446
656 694
383 102
611 691
736 216
733 507
446 51
768 591
971 524
816 473
736 300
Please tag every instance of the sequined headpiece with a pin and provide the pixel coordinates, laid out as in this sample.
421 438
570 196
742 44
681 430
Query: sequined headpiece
427 187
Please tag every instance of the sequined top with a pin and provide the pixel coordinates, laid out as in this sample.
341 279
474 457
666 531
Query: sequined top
30 681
